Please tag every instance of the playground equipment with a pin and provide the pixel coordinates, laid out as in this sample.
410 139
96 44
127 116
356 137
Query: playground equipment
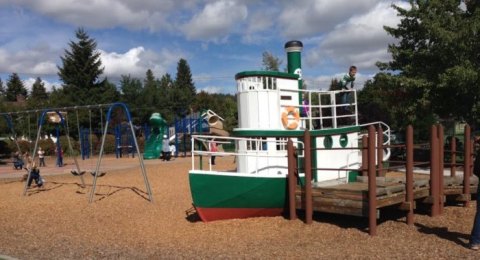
99 161
18 162
54 116
204 122
123 141
153 144
269 104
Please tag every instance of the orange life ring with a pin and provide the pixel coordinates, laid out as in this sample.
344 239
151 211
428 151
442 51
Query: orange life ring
290 124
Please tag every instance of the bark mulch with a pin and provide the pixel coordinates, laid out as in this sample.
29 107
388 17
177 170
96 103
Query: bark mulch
59 223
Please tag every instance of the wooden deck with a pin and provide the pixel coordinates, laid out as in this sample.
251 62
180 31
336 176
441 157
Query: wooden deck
352 198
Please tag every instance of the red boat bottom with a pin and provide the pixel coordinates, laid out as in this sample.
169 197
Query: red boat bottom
211 214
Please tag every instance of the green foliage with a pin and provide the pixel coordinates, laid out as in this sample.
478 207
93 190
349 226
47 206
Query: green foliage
109 146
5 149
2 90
48 146
270 62
223 104
38 96
184 90
435 66
15 88
80 74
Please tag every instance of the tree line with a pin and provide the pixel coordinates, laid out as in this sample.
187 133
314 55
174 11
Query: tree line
82 84
433 76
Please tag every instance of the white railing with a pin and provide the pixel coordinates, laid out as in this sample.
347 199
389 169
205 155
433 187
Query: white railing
386 133
323 111
257 151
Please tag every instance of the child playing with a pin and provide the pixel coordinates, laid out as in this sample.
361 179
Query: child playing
34 175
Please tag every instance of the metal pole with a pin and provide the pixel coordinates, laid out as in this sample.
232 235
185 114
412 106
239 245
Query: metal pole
140 159
97 168
40 123
70 148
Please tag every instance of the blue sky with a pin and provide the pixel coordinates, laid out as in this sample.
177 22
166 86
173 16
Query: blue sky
218 38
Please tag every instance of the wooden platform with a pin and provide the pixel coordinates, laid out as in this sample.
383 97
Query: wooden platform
352 198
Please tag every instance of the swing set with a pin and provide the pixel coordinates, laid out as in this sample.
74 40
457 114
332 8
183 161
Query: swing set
59 117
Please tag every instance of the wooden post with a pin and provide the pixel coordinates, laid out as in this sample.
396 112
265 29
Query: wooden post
409 177
292 179
308 178
466 167
434 163
380 151
372 189
441 158
453 151
364 155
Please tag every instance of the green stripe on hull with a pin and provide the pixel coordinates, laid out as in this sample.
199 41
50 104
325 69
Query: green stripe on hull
220 191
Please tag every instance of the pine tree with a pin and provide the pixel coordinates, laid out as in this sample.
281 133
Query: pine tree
184 91
270 62
81 71
2 89
15 88
435 66
39 91
39 96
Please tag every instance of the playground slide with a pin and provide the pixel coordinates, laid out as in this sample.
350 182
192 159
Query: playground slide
153 146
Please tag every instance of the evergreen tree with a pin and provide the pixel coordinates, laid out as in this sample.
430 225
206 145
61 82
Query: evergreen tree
15 88
165 98
38 90
131 91
270 62
184 90
81 71
2 89
436 62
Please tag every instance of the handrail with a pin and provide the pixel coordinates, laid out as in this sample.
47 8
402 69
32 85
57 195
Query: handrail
257 153
386 132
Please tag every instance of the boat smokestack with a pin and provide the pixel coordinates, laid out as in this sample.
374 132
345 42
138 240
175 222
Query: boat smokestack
294 57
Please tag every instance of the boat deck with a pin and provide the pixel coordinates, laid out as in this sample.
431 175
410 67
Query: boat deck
352 198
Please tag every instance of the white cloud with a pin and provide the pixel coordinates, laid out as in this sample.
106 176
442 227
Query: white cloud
211 89
145 14
361 40
137 61
307 18
216 21
37 61
28 83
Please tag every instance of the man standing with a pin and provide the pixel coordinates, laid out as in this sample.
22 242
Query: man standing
41 157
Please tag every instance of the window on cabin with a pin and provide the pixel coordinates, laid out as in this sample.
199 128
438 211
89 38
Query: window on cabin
281 144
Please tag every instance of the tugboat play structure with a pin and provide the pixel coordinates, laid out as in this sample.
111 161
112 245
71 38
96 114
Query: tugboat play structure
274 106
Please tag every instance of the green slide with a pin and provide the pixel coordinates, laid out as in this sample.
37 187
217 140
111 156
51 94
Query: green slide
153 145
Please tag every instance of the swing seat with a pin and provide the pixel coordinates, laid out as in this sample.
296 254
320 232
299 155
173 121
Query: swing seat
101 174
75 173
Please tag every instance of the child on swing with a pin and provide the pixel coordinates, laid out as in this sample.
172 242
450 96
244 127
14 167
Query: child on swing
34 176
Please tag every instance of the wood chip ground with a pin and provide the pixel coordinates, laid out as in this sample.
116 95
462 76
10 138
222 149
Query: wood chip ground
59 223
